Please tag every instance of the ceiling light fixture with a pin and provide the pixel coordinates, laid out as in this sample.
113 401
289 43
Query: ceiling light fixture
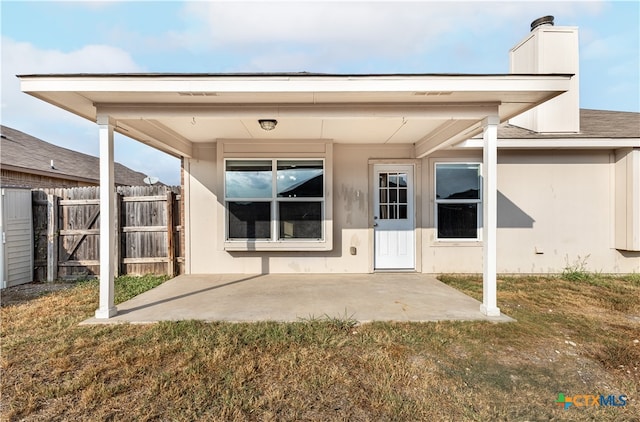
268 124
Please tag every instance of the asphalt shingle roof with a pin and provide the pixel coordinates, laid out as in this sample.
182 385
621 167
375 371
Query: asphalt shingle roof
593 124
27 153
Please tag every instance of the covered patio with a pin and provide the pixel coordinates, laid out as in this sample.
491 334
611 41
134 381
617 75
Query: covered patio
408 297
394 119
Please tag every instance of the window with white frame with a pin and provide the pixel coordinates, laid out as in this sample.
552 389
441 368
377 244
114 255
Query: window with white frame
458 201
274 200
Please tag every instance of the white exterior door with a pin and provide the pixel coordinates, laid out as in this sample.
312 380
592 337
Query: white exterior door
393 216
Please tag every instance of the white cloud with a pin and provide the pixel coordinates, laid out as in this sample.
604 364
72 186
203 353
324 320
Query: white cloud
333 33
614 46
24 58
352 28
52 124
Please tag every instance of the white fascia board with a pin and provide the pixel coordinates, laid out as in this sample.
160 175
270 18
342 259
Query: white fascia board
556 143
257 84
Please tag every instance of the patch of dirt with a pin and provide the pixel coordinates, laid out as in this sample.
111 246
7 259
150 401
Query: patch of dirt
22 293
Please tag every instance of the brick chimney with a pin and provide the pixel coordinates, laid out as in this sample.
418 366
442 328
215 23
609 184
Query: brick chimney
549 49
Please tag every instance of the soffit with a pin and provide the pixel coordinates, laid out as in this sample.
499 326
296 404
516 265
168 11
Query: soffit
174 112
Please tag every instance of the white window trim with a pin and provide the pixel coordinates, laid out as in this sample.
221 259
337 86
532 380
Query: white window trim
281 150
437 201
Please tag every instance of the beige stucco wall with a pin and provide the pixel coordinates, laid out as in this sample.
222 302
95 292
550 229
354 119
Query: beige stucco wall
205 249
556 208
573 207
567 196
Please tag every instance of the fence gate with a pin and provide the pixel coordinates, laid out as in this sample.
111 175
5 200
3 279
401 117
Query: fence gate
16 242
146 228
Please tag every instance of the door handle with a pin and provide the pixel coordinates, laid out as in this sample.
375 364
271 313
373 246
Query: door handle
375 224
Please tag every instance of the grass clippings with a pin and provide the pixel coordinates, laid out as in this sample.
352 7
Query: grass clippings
571 337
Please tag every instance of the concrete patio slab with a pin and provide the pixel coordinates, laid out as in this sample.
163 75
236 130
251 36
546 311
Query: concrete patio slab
292 297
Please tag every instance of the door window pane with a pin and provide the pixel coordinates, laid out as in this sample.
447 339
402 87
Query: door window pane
248 179
249 220
402 212
300 220
384 212
402 192
300 178
393 196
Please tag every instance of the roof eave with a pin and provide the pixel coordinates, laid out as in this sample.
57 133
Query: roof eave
51 174
555 143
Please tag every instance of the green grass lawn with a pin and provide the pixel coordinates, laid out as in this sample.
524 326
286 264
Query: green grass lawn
572 337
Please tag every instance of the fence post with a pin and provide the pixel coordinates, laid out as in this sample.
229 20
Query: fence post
170 246
52 237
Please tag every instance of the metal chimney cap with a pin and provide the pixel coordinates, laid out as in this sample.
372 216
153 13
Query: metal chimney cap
545 20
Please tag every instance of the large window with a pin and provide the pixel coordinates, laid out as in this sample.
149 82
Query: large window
274 200
458 200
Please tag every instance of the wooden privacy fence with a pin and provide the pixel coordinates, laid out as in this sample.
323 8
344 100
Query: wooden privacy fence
67 232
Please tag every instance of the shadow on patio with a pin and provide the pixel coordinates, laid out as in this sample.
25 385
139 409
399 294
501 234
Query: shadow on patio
291 297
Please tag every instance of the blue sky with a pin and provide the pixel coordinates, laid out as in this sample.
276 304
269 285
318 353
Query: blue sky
327 36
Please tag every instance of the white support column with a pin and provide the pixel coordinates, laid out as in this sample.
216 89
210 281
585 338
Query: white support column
490 215
106 307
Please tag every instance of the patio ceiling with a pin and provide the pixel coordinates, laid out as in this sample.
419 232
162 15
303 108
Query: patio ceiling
177 111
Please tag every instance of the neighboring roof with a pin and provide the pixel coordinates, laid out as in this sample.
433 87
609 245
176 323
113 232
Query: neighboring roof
28 154
593 124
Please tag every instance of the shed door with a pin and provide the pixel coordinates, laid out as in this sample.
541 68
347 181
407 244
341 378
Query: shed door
393 214
17 237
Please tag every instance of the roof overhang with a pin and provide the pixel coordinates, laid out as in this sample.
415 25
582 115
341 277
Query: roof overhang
173 112
555 143
51 174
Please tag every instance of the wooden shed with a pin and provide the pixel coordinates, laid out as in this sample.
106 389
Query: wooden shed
16 247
